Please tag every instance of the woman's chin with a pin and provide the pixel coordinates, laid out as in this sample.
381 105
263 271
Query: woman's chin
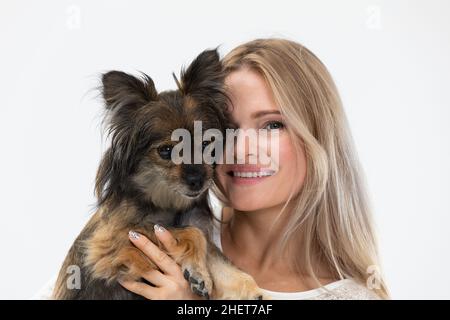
245 208
247 202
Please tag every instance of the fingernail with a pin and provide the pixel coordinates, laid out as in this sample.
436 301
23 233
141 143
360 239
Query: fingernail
133 235
159 228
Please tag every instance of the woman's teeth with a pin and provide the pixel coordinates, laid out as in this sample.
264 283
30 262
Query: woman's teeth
252 174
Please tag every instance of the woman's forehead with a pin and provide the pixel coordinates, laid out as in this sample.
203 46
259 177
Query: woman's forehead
249 92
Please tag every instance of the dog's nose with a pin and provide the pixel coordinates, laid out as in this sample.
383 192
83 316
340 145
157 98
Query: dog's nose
194 175
195 182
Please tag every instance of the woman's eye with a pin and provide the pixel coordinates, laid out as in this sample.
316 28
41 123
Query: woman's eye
274 125
165 152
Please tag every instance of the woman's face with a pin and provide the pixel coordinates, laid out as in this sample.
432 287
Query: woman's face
251 186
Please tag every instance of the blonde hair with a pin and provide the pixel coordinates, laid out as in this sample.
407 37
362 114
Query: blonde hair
331 216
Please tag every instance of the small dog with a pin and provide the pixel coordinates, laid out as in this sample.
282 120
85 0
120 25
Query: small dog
138 186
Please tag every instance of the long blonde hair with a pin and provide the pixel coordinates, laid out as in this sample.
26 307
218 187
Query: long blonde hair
331 217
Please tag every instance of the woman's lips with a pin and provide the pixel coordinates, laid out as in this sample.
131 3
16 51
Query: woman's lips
248 175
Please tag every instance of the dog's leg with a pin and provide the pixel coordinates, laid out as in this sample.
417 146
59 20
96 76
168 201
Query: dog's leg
209 273
130 263
231 282
111 256
190 252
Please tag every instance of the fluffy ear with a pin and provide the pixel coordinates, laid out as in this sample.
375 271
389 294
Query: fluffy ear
204 80
124 95
124 90
204 76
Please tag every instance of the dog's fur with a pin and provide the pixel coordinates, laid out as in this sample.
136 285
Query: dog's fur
137 188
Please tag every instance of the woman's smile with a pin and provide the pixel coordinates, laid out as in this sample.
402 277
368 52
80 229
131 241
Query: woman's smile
248 174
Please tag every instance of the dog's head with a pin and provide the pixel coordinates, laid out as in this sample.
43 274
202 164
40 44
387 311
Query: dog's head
141 122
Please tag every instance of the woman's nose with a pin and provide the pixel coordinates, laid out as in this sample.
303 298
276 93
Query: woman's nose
245 147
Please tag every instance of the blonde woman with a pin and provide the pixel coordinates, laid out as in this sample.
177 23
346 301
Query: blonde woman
304 231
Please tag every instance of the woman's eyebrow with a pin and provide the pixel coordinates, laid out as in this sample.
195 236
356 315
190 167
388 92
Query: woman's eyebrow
259 114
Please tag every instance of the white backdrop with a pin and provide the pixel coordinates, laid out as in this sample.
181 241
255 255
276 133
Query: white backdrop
390 60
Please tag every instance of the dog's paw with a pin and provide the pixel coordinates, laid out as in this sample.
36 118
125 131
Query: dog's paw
241 287
253 293
200 282
262 296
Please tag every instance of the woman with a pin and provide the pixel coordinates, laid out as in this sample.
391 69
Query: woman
305 230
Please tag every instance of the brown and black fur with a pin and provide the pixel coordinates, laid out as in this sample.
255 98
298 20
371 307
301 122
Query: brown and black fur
137 188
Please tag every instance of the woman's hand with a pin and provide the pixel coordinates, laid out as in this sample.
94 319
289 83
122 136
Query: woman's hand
169 283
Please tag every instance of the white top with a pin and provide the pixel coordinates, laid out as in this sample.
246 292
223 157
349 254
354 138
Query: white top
345 289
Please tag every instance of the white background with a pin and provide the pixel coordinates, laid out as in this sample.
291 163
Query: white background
390 60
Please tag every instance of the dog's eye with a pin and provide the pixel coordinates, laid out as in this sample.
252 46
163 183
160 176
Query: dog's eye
205 144
165 151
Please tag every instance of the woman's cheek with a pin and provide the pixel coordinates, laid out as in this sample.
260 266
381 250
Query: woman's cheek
222 178
292 170
289 179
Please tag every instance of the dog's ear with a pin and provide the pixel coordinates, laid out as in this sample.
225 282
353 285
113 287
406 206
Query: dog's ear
204 81
124 94
204 76
120 89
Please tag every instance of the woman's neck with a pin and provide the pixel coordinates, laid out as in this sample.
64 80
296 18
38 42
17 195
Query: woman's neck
255 235
251 244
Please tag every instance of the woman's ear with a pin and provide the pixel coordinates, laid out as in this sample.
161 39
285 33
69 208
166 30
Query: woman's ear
121 89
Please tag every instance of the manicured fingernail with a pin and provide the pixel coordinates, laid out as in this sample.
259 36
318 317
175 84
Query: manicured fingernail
159 228
133 235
